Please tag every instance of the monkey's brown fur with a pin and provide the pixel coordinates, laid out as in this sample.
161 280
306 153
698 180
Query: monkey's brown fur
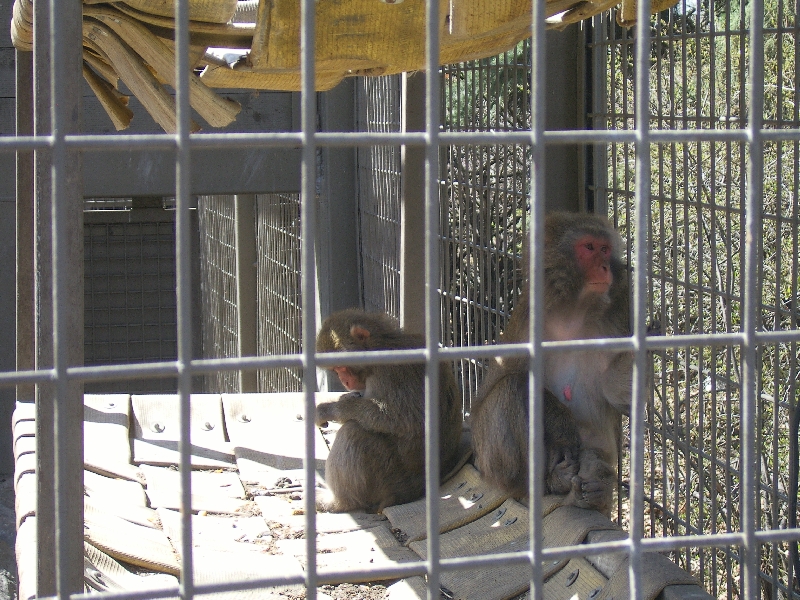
500 435
378 456
584 391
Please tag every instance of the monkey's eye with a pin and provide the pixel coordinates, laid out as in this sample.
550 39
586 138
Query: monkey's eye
605 250
590 246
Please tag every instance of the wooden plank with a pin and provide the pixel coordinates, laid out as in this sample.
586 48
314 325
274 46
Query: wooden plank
577 578
212 491
26 428
576 581
25 498
229 534
216 566
106 439
141 546
375 547
503 530
26 559
104 574
23 411
138 515
157 431
104 490
24 445
658 572
267 432
290 513
464 498
24 464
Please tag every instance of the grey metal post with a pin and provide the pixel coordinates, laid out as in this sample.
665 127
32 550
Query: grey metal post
245 230
25 357
412 208
596 200
337 233
562 108
66 87
45 424
337 208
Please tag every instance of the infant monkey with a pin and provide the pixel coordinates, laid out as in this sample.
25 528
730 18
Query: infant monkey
378 456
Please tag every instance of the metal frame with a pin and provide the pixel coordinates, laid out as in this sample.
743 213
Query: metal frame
60 505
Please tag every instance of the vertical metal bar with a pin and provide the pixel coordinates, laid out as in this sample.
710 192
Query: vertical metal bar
432 314
751 299
562 182
640 272
412 230
25 328
337 262
66 23
712 181
183 288
45 424
535 293
308 225
598 200
245 232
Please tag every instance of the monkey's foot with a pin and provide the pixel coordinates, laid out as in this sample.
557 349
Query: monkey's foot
595 494
562 470
326 501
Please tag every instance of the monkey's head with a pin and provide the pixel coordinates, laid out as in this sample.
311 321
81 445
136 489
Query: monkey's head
581 258
353 330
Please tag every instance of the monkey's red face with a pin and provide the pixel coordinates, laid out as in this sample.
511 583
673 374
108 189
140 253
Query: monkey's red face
349 380
594 260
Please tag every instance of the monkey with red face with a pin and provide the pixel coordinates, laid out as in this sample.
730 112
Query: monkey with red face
378 456
585 297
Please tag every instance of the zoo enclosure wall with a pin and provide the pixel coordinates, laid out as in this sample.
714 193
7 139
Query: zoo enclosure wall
739 141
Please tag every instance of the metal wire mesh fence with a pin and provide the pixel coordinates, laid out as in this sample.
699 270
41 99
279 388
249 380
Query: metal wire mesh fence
277 302
698 78
218 287
378 110
129 299
714 195
484 202
279 287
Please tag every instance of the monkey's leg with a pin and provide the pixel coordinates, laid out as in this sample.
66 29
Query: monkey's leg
593 486
500 435
561 441
363 471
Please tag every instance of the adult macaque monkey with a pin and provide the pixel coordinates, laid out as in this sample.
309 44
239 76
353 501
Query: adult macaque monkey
585 296
378 456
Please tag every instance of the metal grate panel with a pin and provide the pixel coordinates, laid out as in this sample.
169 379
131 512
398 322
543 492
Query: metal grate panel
378 110
278 282
484 202
218 287
129 299
694 436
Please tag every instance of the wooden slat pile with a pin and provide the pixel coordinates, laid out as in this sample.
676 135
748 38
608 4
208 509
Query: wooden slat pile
132 41
248 521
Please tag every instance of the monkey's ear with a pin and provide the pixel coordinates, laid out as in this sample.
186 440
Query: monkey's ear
359 333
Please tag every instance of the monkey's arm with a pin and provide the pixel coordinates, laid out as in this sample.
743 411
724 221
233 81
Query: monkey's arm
369 412
617 382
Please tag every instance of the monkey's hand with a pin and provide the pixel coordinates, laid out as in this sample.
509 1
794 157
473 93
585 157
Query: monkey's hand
593 486
326 411
562 468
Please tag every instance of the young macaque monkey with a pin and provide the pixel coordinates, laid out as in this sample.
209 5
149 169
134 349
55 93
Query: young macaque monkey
378 456
500 435
585 296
